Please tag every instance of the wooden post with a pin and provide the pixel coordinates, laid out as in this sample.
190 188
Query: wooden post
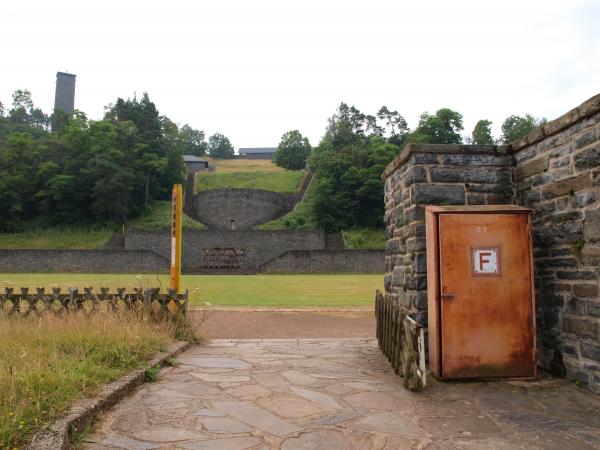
176 220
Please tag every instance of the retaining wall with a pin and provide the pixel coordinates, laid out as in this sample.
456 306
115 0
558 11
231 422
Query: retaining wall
83 261
259 245
247 208
555 170
326 261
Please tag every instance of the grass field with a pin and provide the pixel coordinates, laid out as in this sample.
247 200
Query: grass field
283 182
47 363
365 238
244 165
281 291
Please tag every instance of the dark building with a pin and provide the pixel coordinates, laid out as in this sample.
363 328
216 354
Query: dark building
257 152
64 97
194 164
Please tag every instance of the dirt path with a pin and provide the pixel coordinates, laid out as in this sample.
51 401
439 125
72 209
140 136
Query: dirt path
273 324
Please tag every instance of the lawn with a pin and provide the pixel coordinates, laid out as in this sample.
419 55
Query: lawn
286 182
281 291
47 363
57 238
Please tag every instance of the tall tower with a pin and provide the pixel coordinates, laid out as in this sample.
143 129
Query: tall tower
64 98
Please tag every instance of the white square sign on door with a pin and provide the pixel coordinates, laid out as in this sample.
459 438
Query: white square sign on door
486 261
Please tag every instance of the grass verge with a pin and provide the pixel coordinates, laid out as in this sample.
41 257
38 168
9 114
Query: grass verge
47 363
158 217
278 291
365 239
286 182
57 238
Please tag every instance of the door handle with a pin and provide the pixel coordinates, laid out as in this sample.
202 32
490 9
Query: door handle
447 296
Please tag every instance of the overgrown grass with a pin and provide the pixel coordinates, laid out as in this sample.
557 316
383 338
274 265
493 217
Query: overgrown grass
47 363
365 239
158 217
280 291
302 217
286 182
57 238
244 165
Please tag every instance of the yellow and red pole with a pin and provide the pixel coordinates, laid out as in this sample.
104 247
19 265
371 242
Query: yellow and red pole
176 221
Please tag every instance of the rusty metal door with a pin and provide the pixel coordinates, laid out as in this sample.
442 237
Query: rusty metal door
485 293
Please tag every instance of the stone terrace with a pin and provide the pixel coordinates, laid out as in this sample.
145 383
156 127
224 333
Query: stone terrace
337 394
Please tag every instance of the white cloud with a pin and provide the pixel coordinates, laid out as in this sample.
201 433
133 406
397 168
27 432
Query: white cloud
254 70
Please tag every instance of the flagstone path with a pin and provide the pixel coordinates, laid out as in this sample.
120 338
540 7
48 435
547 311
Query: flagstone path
336 394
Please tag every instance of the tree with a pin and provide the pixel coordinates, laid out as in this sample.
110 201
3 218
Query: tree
220 147
193 141
443 127
482 133
515 127
292 151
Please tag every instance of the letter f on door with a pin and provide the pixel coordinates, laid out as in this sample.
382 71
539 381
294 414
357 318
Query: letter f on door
484 259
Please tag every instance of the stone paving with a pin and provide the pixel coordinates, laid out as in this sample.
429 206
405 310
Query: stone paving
336 394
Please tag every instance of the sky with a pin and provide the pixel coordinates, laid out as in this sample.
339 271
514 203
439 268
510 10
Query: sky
256 69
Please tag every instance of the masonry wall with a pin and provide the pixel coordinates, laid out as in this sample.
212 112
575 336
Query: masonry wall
83 261
260 245
426 174
217 208
326 261
558 176
555 171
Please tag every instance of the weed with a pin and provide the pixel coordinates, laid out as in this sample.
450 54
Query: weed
151 374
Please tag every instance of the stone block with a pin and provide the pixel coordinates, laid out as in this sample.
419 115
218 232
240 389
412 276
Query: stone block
591 231
438 194
590 350
585 139
590 256
587 159
420 194
577 275
564 233
476 199
477 160
582 327
462 175
568 216
531 167
594 309
568 186
424 158
420 263
582 199
585 290
416 174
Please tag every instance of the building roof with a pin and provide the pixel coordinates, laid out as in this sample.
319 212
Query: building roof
192 158
254 150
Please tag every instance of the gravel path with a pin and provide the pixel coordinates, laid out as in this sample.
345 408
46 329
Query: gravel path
282 324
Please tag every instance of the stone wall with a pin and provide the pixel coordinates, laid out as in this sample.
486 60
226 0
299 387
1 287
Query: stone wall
83 261
259 245
558 176
555 170
245 208
326 261
427 174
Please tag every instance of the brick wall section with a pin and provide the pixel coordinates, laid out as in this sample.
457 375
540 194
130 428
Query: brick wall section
426 174
83 261
326 261
558 176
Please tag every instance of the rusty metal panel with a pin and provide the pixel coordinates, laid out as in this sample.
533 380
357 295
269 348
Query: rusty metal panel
480 292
